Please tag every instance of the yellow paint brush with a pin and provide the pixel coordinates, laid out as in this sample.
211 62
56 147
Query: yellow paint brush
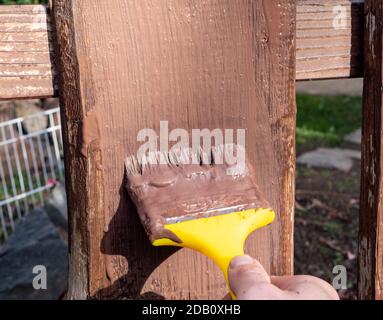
196 200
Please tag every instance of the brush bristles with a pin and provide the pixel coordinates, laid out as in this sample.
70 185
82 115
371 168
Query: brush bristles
175 158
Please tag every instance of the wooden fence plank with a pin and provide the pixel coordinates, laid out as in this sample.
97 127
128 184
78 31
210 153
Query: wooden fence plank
26 56
329 39
126 65
370 257
22 9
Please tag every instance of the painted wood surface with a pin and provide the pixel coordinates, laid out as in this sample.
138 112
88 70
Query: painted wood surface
126 65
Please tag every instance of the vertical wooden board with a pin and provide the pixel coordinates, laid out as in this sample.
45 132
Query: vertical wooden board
127 65
370 257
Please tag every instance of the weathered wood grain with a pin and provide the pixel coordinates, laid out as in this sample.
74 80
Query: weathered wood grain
322 50
370 256
26 55
126 65
23 9
329 39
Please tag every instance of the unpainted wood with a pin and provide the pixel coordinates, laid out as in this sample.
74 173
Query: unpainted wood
370 256
26 55
329 39
126 65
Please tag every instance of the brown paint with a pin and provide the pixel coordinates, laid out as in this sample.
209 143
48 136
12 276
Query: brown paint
169 193
197 64
90 135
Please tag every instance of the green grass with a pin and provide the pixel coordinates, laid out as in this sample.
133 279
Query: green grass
327 119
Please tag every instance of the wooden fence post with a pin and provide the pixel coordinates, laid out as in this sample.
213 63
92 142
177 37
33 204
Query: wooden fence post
370 277
125 66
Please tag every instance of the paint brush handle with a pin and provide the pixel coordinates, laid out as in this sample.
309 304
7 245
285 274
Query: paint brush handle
221 237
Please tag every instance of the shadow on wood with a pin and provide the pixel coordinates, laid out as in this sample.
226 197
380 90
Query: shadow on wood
142 259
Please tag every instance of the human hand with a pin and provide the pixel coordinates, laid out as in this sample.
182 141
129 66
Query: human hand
249 281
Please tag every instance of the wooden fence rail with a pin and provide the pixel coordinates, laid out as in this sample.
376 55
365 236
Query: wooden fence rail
329 45
27 67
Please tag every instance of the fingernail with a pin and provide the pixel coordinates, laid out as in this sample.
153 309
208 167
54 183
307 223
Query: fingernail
241 261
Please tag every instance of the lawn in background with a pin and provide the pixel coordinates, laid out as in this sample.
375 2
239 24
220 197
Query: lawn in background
325 120
327 201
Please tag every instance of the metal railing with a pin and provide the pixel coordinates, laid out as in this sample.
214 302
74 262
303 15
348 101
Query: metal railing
30 164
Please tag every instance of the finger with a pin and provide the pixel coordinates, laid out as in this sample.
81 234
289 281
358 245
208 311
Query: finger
306 287
248 279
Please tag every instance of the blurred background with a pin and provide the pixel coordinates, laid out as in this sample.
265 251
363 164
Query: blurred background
328 137
33 218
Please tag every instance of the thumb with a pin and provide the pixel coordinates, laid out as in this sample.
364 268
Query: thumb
249 280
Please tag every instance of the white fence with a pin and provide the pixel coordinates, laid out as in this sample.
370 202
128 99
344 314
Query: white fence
30 164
